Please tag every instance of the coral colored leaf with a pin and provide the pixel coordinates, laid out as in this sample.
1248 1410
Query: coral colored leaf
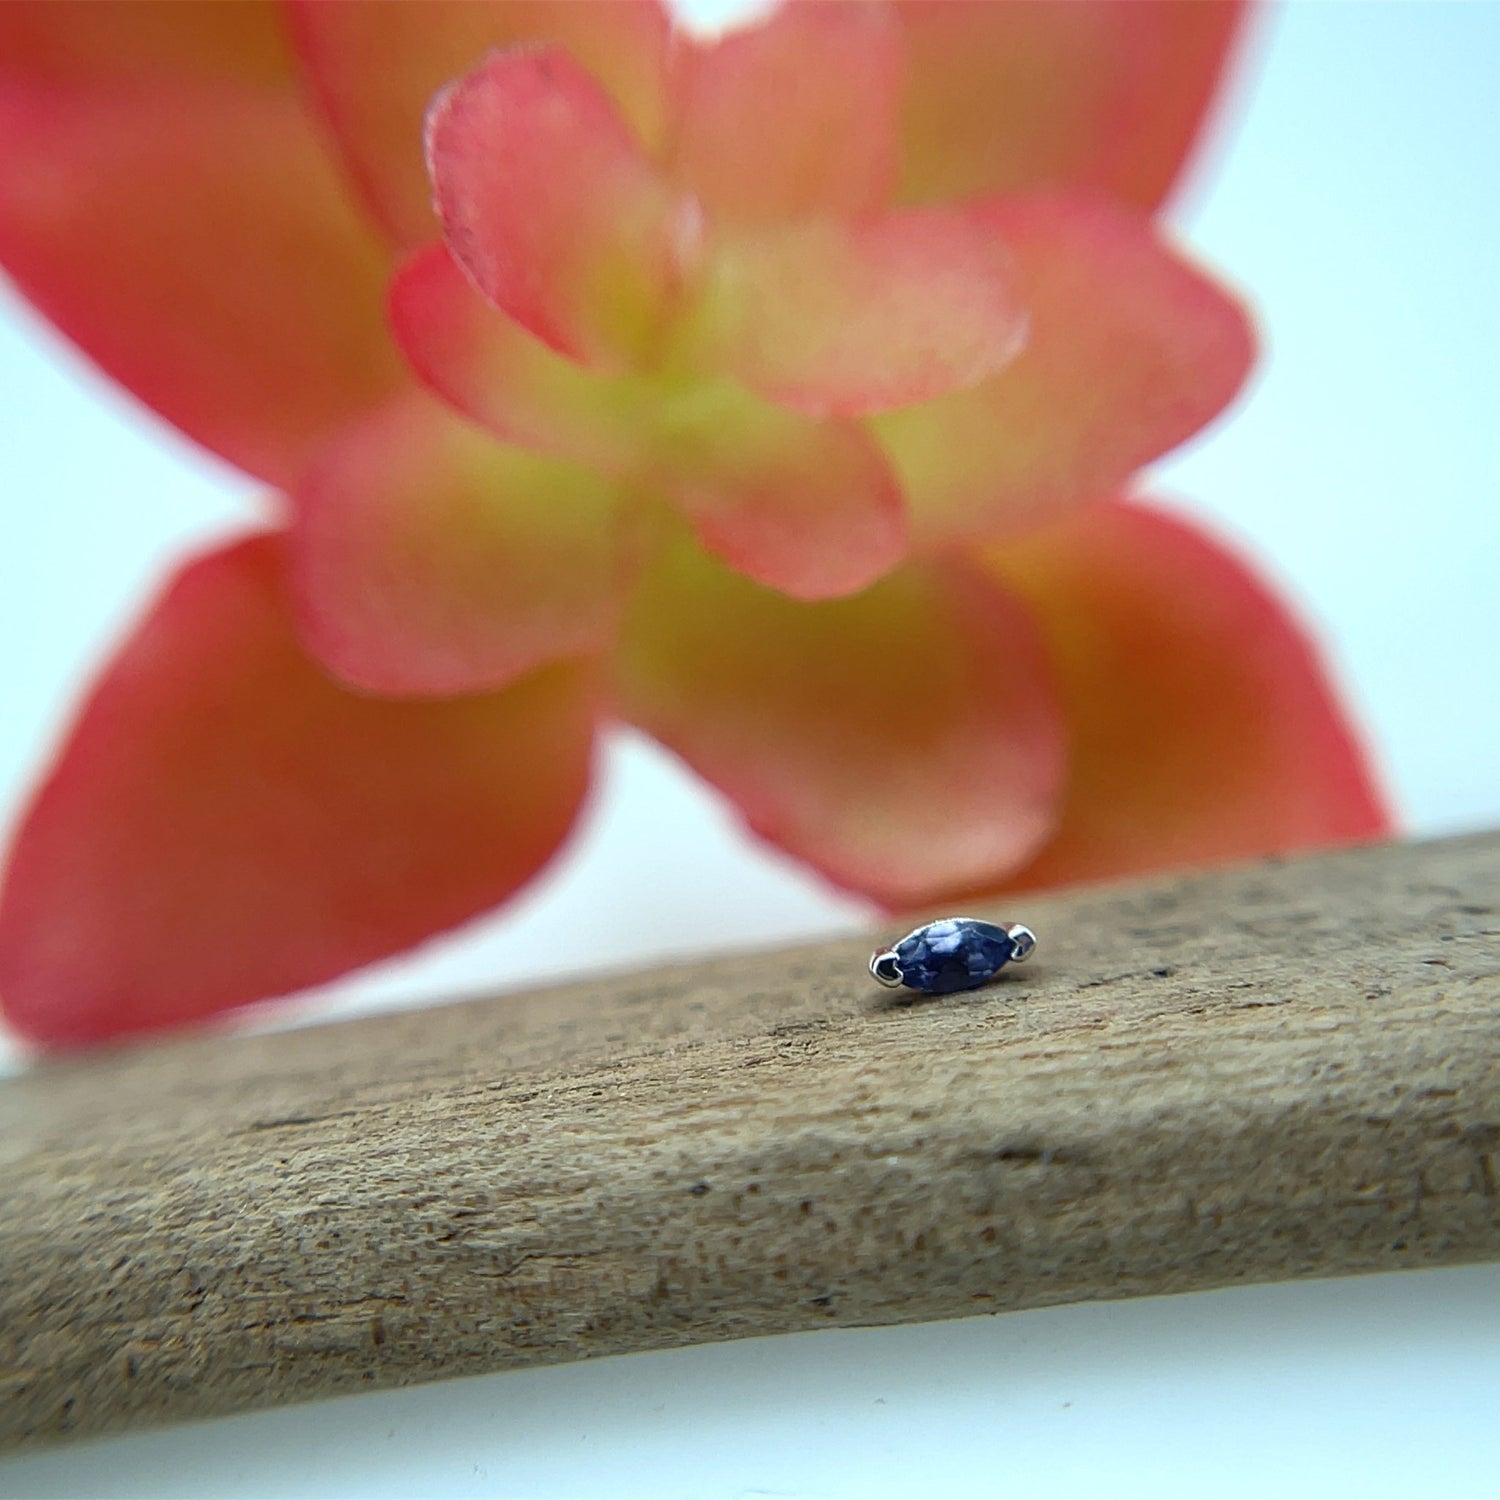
226 824
848 318
193 239
1016 95
791 116
429 560
1204 728
374 68
1130 351
489 367
904 741
806 507
550 206
102 42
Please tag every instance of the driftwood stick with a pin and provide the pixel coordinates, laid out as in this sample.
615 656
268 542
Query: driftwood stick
1285 1070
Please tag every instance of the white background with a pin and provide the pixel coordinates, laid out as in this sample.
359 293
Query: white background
1357 200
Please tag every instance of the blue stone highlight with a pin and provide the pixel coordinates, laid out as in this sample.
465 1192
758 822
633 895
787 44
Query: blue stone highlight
958 953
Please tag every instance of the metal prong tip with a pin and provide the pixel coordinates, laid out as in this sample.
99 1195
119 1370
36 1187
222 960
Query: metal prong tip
885 968
1023 939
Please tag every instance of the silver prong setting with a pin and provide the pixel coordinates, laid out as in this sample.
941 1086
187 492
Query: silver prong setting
1023 940
885 968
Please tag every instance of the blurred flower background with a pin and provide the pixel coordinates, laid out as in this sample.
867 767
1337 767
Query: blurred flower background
1352 476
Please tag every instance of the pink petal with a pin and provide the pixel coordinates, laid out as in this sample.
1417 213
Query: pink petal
1131 350
103 43
489 367
791 116
193 240
1204 728
429 560
226 824
904 742
808 507
844 319
551 208
1016 95
373 68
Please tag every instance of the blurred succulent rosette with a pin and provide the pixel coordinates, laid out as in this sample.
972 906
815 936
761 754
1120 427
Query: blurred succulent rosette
778 393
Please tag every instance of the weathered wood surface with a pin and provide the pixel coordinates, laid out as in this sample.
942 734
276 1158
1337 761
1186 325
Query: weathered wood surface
1287 1070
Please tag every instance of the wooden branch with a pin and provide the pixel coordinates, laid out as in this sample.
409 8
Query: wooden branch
1287 1070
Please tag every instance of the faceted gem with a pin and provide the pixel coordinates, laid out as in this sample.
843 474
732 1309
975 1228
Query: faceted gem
957 953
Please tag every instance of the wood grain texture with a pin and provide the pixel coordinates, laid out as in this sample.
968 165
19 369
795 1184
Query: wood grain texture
1285 1070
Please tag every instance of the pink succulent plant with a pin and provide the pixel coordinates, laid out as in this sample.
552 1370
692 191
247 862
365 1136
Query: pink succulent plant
779 395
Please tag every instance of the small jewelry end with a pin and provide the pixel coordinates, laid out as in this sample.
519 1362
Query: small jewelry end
1023 940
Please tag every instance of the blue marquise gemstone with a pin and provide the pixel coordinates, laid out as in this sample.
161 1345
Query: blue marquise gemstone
955 954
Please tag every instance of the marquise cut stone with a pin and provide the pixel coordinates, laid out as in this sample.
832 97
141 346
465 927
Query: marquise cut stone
957 953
